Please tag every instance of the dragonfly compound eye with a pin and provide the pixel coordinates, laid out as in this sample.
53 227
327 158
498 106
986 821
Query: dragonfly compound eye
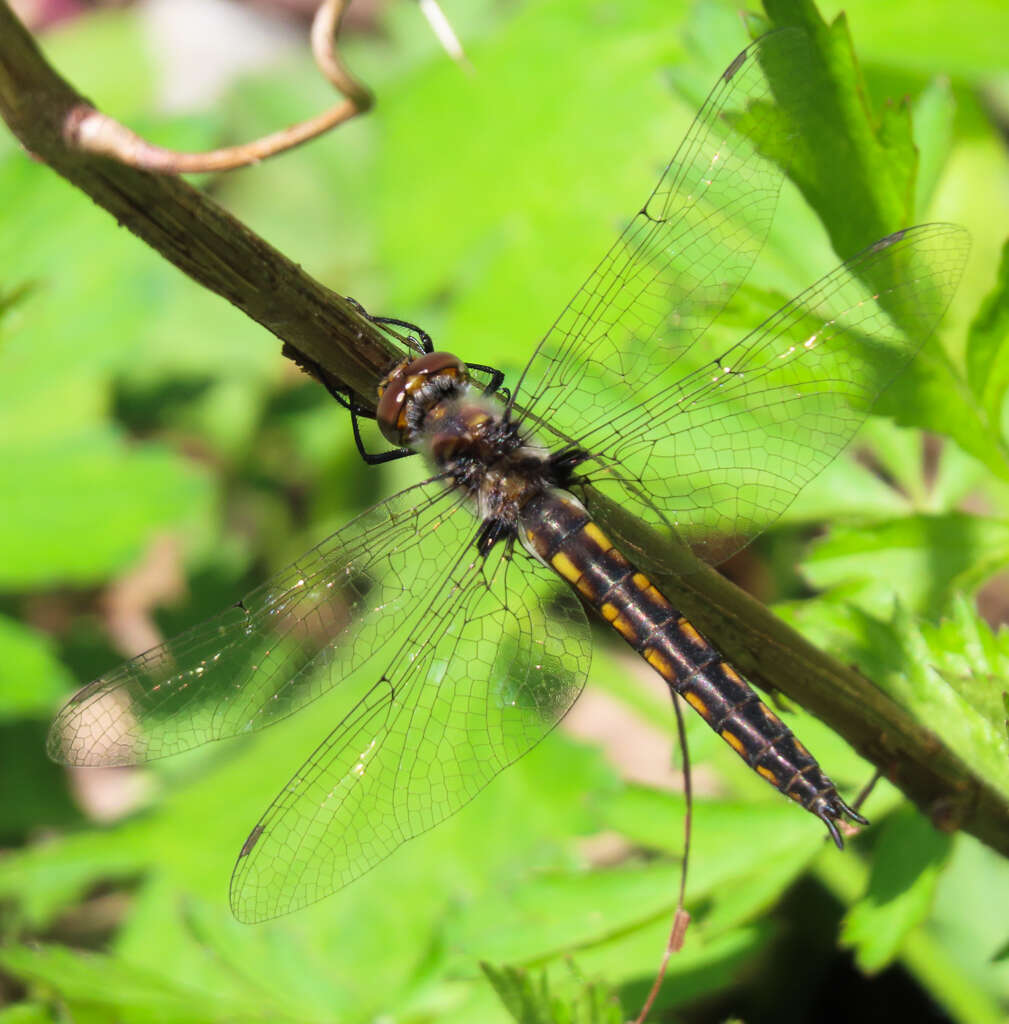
408 383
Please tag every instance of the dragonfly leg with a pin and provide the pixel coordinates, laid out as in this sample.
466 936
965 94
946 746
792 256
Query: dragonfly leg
425 344
496 379
357 411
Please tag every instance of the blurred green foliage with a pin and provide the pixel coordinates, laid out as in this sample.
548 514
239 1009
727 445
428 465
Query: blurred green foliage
134 406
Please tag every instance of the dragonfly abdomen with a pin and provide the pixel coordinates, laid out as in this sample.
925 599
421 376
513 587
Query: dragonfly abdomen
559 531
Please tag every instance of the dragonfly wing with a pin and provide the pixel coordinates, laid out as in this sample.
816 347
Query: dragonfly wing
495 658
684 255
723 451
282 646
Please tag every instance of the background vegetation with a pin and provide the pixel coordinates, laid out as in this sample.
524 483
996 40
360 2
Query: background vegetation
158 458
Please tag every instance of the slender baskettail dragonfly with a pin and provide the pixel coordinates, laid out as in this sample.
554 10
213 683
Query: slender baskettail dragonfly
457 607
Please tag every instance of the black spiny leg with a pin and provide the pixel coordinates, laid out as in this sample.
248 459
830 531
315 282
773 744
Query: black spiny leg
564 462
496 378
425 344
356 410
491 531
372 458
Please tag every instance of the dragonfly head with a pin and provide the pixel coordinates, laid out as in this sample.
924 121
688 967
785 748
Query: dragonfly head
411 388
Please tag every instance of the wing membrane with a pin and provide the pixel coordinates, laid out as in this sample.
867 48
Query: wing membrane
496 657
285 644
723 451
684 255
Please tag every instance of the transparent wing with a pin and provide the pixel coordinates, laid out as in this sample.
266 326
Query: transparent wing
684 255
490 663
725 449
285 644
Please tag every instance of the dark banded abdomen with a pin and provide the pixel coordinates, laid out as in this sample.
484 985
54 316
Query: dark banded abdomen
563 535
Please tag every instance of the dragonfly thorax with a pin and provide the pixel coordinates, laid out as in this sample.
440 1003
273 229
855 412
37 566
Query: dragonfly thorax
433 405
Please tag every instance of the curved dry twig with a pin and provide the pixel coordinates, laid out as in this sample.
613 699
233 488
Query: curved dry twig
91 130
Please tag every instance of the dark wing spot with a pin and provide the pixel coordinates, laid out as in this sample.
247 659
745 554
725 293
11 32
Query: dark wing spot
730 71
250 842
885 243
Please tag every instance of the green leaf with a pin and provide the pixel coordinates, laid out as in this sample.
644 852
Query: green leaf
965 38
908 859
42 880
551 914
934 114
26 1013
79 510
949 676
847 159
923 558
32 678
988 346
139 995
529 1000
969 923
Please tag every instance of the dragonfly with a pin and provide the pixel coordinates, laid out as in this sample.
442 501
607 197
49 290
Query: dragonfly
453 614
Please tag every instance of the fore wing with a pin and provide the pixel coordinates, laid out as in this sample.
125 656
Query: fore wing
683 256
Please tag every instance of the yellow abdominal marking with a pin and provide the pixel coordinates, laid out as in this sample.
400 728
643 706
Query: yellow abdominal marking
586 588
594 533
645 585
609 611
728 670
566 567
624 628
768 774
767 713
694 700
801 749
733 740
689 632
660 663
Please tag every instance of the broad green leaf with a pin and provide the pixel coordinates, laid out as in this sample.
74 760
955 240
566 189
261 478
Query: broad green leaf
848 158
988 347
950 676
908 859
141 996
80 510
964 37
923 558
969 918
552 914
32 678
519 159
702 968
529 999
933 125
26 1013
